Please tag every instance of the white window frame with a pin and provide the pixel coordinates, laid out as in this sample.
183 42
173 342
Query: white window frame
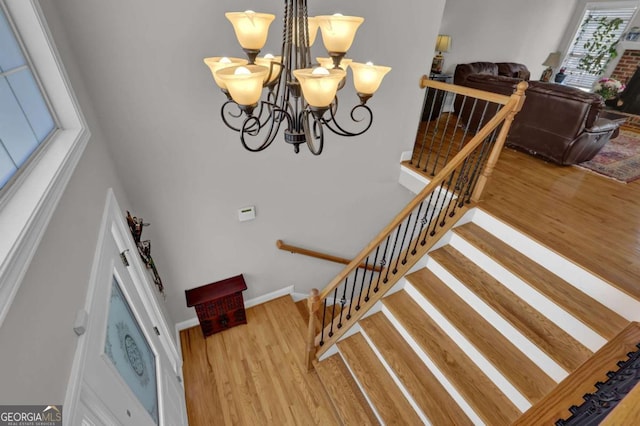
594 5
29 202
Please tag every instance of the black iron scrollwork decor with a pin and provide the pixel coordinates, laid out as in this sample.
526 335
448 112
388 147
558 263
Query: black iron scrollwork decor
144 248
599 404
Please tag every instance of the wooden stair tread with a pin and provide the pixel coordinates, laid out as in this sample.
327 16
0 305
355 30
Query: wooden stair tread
554 341
523 373
592 313
426 390
569 392
477 389
384 394
348 400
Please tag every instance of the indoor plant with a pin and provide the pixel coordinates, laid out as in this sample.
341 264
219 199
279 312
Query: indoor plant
608 88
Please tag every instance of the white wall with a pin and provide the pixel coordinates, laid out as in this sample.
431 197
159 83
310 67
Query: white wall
187 174
505 31
37 342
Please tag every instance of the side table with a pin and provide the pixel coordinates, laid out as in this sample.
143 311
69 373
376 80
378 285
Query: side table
219 305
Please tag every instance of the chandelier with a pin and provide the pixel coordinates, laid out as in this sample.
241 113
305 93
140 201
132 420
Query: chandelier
265 92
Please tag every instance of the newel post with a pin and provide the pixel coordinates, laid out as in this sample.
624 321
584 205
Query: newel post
313 303
518 99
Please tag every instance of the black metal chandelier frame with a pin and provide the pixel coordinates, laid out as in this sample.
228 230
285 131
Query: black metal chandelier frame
284 100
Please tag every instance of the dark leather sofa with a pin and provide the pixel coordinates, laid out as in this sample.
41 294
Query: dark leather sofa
557 123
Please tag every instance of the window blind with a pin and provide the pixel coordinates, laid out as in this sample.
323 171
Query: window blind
25 119
580 78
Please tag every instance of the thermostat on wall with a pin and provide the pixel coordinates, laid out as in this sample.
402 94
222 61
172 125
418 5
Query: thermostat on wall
247 213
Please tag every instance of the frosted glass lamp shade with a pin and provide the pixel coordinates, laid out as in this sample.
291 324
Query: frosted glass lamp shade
319 88
251 28
218 62
314 24
275 69
244 82
328 63
338 31
367 77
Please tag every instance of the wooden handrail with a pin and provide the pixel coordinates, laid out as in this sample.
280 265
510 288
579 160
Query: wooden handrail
458 166
319 255
495 121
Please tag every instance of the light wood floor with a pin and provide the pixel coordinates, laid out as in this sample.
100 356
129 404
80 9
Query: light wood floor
253 374
588 218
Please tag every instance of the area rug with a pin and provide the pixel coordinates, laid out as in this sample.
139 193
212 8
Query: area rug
619 158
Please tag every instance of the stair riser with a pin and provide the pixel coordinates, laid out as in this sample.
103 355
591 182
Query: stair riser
434 369
555 371
593 286
541 303
485 365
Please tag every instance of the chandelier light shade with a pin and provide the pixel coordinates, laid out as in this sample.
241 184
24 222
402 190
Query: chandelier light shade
267 92
319 85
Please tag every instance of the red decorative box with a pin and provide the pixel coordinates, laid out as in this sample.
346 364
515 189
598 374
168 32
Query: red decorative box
219 305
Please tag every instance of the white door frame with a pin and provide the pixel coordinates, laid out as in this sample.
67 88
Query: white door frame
114 226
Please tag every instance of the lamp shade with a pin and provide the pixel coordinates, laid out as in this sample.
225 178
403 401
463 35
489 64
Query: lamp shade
443 43
338 31
367 77
553 60
251 28
313 25
244 82
274 64
319 85
218 62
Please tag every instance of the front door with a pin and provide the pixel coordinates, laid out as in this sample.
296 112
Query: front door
126 376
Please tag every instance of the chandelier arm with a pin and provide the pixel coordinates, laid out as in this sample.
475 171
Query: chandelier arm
333 125
313 132
225 109
252 126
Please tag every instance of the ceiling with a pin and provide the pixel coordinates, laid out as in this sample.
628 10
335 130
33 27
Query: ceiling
137 69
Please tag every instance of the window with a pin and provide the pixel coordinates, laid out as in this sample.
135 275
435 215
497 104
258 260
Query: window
27 202
594 15
25 119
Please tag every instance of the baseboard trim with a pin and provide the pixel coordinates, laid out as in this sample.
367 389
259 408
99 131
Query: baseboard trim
193 322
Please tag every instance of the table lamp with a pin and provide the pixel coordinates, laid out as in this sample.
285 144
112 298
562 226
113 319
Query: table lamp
443 44
552 61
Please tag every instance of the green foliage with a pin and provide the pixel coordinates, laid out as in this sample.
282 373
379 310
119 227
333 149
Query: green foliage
601 48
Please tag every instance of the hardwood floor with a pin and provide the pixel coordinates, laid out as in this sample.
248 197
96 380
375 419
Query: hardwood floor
253 374
587 218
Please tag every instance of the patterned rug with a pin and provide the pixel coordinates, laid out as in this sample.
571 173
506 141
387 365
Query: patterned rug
619 158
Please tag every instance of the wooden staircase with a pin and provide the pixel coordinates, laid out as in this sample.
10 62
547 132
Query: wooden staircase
477 333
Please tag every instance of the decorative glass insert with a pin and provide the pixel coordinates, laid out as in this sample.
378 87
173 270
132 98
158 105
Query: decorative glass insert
130 352
25 119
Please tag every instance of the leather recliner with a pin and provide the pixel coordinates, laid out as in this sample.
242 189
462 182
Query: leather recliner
557 123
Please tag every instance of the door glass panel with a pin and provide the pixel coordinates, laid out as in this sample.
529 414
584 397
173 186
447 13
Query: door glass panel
130 352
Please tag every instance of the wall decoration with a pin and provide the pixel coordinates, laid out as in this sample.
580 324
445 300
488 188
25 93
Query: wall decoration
144 248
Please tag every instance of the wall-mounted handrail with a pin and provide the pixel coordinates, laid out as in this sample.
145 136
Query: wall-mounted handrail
423 221
319 255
